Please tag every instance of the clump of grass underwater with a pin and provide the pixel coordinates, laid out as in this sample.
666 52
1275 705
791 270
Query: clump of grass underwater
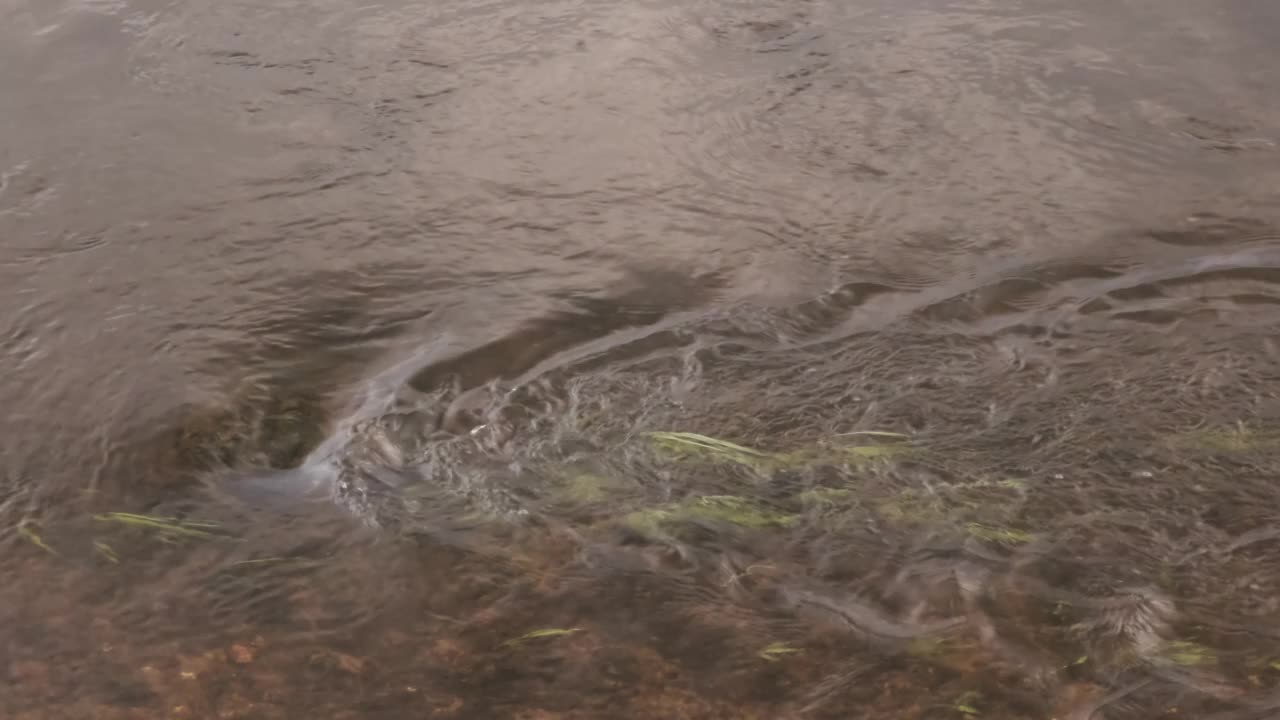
830 559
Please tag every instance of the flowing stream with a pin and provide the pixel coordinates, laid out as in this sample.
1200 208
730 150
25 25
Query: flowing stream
586 358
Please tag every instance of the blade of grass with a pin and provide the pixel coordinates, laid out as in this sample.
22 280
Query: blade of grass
695 444
774 652
705 442
543 633
106 552
875 433
165 525
33 537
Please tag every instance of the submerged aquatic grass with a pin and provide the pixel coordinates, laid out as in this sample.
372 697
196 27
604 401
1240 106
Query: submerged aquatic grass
649 521
1007 536
874 433
1188 654
827 497
542 633
983 508
1240 438
162 525
735 510
684 445
106 552
583 487
910 508
26 532
729 509
773 652
261 561
967 704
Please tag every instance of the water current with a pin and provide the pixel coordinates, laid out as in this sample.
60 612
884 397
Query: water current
640 359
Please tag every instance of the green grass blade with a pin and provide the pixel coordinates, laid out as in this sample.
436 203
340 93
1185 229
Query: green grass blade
107 552
164 525
543 633
706 443
33 537
774 652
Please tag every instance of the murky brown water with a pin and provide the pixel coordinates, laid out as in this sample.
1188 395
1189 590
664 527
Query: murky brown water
379 360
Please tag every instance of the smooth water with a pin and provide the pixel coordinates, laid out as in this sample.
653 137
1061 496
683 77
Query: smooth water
582 359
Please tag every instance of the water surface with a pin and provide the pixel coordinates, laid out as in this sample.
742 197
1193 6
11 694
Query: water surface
339 342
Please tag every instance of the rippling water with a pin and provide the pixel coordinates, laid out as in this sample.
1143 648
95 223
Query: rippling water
572 358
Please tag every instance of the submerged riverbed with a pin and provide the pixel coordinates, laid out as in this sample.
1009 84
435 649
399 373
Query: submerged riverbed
575 359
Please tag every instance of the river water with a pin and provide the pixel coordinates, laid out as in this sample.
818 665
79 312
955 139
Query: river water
580 359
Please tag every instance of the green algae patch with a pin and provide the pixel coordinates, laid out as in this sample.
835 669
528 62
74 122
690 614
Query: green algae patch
649 522
728 509
1188 654
909 507
1005 536
584 488
735 510
824 497
985 509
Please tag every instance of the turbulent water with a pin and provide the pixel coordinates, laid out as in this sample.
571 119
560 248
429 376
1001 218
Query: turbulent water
573 358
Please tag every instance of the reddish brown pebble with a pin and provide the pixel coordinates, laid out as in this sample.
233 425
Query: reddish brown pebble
350 663
241 654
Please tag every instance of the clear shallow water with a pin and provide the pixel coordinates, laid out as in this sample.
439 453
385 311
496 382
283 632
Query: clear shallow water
385 301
